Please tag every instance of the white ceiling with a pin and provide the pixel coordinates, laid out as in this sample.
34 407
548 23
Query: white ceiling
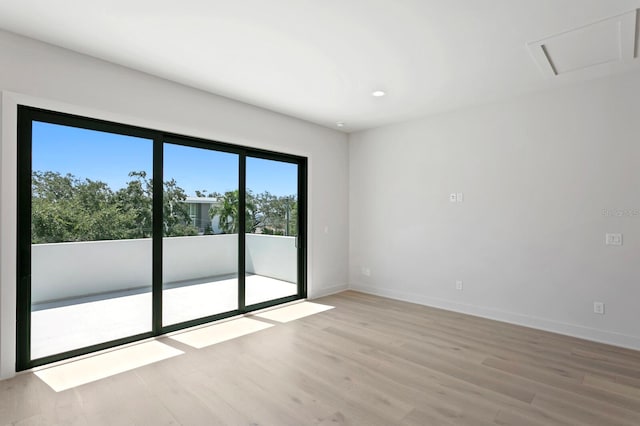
319 60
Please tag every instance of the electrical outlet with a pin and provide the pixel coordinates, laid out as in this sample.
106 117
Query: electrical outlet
459 285
453 197
598 308
613 239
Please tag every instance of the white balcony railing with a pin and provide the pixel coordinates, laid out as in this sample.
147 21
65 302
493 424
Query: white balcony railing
73 270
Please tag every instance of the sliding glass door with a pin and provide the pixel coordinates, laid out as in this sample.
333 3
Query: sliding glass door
126 233
90 237
199 251
272 230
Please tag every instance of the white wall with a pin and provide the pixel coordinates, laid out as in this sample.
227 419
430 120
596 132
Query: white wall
272 256
41 75
188 258
66 270
537 173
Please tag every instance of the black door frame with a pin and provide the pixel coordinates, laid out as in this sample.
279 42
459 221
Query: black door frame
26 116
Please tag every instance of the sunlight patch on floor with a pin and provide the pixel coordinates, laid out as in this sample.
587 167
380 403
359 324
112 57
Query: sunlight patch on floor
80 372
216 333
294 312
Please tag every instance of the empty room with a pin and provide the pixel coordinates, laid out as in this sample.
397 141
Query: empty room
412 212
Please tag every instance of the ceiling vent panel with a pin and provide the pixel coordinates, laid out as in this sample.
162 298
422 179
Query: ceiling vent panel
609 41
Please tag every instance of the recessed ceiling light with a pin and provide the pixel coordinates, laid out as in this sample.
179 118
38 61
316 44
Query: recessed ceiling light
340 124
378 93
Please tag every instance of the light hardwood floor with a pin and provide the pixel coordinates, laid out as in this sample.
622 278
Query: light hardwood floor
369 361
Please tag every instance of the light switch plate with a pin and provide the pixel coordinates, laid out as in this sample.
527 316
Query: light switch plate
598 308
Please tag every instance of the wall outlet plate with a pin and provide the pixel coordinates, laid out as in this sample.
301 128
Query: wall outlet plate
598 308
459 285
613 239
453 197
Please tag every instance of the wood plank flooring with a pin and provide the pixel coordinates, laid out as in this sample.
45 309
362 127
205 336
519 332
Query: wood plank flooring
369 361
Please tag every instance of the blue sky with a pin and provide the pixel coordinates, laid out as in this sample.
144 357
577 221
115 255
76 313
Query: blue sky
109 158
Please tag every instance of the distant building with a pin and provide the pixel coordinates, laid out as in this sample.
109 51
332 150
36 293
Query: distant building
199 213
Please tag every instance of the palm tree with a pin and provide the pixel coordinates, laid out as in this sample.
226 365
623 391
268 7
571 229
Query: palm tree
265 213
227 211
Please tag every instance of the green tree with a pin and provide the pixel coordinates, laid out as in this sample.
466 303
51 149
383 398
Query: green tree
176 219
136 200
227 212
291 210
53 214
226 209
66 209
278 214
265 213
207 194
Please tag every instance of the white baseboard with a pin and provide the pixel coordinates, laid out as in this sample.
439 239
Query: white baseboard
601 336
327 291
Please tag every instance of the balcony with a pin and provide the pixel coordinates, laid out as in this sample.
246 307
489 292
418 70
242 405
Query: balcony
91 292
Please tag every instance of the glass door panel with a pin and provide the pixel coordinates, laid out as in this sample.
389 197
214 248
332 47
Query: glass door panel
200 233
91 211
271 249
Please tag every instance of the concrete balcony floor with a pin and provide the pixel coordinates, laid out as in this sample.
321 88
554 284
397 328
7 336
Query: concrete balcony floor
69 325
